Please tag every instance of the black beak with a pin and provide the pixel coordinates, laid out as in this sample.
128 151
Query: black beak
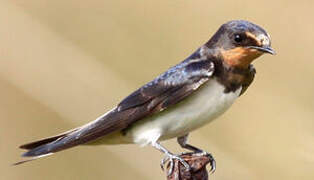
264 49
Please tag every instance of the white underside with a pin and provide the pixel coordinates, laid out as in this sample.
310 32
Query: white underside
200 108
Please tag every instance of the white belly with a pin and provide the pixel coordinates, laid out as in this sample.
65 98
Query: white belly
206 104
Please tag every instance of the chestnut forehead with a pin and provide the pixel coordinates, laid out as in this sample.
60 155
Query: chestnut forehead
259 39
254 38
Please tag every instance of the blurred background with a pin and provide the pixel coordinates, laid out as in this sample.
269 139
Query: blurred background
65 62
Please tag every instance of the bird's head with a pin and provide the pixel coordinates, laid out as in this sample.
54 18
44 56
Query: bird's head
239 42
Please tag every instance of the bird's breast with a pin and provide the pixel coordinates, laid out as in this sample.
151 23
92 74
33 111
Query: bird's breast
201 107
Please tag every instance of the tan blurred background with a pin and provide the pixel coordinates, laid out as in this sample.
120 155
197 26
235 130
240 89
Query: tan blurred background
65 62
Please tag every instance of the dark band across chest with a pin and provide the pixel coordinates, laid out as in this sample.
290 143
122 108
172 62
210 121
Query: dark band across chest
233 78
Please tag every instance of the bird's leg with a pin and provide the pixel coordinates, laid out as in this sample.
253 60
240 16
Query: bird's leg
169 157
183 143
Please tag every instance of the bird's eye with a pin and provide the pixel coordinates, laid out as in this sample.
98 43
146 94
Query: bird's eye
238 38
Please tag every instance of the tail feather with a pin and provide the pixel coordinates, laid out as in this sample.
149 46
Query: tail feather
38 143
35 144
31 159
41 148
50 145
87 133
57 145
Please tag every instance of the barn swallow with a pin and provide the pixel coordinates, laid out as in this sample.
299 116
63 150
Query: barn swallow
182 99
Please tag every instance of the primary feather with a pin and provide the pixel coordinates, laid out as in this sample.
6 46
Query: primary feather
168 89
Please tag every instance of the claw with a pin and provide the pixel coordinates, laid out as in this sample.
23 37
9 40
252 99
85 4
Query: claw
211 160
170 158
162 163
212 163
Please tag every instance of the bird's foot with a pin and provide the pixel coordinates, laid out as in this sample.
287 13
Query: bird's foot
170 159
204 153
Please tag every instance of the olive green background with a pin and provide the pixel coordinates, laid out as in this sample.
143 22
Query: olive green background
65 62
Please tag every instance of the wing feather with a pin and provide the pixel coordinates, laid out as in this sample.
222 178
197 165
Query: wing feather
166 90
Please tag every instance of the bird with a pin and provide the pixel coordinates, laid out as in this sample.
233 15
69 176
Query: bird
182 99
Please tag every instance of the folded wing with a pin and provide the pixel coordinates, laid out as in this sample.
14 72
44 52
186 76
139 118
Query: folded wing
167 89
